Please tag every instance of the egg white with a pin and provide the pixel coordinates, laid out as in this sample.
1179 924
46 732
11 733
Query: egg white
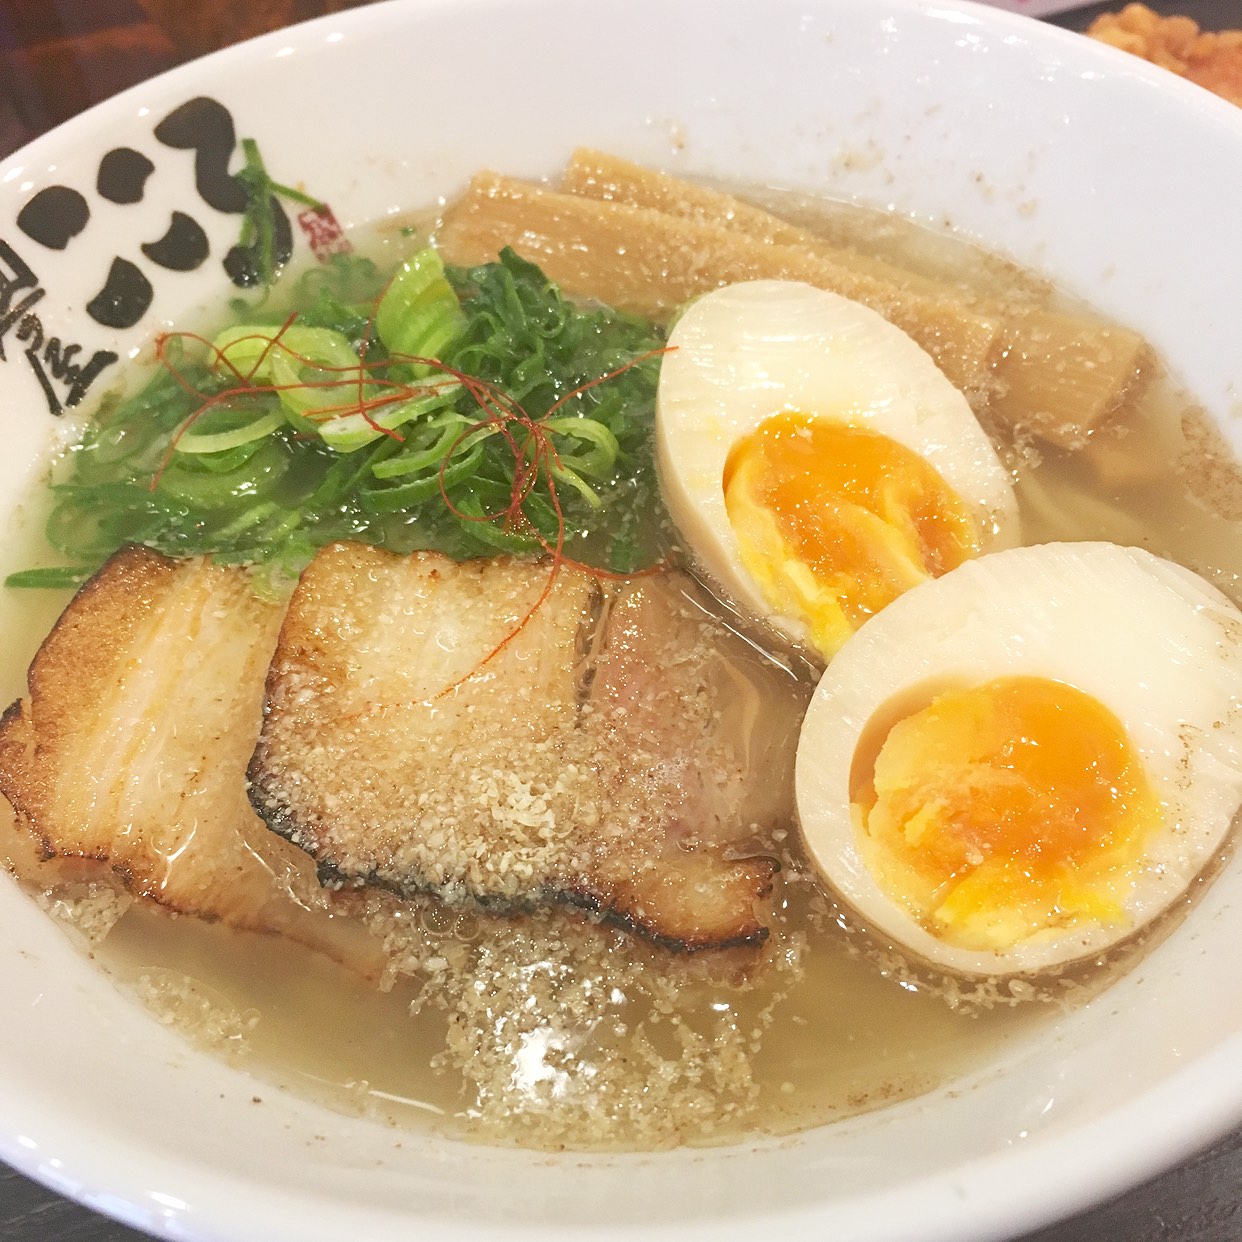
1153 642
740 354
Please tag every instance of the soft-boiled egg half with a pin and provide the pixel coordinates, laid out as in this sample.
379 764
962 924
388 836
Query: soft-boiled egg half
1025 761
815 460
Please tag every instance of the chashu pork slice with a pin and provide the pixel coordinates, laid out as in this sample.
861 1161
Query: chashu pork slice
496 732
126 761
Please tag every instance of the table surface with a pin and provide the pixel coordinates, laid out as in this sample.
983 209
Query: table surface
60 56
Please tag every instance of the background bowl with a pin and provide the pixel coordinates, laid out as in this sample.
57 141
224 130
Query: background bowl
1119 183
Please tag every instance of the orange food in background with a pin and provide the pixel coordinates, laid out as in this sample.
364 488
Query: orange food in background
1211 59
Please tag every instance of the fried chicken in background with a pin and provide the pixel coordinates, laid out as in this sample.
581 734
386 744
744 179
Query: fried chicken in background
1212 59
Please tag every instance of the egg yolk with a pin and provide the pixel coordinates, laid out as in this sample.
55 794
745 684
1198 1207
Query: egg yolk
834 521
1010 809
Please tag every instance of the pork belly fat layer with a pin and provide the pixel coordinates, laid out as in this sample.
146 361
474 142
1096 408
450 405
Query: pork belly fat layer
470 730
126 761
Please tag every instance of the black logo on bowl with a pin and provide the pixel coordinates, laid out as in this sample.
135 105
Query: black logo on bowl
123 174
63 371
54 217
57 215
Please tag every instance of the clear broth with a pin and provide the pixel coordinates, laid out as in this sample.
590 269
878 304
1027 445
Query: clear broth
549 1032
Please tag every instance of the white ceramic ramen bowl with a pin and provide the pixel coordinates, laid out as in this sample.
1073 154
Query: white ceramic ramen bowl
1119 182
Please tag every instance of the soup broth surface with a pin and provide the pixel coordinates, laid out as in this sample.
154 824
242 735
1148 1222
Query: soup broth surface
549 1031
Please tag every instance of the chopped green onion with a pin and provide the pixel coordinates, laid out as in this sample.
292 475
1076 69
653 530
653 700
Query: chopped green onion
218 441
53 577
304 429
419 315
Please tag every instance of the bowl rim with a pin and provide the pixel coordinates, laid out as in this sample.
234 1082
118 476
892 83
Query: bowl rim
1006 1192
